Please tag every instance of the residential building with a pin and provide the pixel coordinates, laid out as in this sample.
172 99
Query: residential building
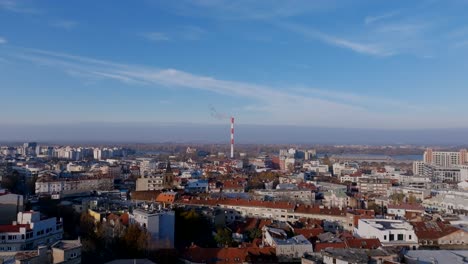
29 232
418 167
159 223
441 235
286 248
303 196
389 232
51 185
10 205
405 210
374 185
445 158
66 252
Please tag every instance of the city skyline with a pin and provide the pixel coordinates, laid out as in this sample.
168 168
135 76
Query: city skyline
325 64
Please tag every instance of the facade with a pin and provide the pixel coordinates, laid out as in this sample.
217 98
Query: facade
442 174
418 167
441 235
10 205
238 209
374 185
159 223
286 248
445 158
449 202
66 252
336 198
29 232
298 196
50 185
389 232
150 183
407 211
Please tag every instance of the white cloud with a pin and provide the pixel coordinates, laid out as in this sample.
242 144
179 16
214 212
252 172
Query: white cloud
65 24
275 105
373 19
364 48
17 7
156 36
3 40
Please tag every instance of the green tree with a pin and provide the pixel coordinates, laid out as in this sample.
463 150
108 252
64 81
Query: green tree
223 237
254 233
397 198
412 199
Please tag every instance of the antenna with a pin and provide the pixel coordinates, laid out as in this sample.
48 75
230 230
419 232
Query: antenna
232 137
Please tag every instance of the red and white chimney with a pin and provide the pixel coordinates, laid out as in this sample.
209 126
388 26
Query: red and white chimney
232 137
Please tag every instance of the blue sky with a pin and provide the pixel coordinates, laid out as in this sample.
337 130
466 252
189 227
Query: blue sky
350 64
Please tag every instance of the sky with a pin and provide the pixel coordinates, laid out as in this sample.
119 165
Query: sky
394 65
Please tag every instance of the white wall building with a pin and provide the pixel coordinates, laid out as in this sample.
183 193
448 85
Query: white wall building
286 248
389 232
29 232
159 223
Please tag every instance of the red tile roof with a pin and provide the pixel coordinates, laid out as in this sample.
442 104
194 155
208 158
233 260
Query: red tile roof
366 243
13 228
230 255
321 246
433 230
308 232
406 206
166 198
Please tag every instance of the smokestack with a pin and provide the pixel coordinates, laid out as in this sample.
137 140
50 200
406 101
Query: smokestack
232 137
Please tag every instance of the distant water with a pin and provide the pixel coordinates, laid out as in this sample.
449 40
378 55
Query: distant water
377 156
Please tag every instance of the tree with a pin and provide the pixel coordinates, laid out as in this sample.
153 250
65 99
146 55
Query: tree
397 198
87 226
223 237
254 233
412 199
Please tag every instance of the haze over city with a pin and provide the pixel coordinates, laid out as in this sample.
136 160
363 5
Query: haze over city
233 131
375 65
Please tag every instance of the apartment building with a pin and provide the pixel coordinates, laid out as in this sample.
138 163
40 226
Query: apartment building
374 185
445 158
52 185
29 232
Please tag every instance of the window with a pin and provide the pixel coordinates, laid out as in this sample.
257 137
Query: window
385 237
400 237
392 237
409 237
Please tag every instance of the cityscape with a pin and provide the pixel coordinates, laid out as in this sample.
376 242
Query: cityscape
216 131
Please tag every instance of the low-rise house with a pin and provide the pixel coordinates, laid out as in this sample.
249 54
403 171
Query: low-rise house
389 232
197 255
440 235
406 211
286 248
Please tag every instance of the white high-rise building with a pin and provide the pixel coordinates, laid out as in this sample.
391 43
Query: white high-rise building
418 167
445 158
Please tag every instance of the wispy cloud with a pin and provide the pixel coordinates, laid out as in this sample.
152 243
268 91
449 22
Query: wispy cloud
17 7
64 24
280 104
192 32
372 19
176 33
248 10
3 40
364 48
156 36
